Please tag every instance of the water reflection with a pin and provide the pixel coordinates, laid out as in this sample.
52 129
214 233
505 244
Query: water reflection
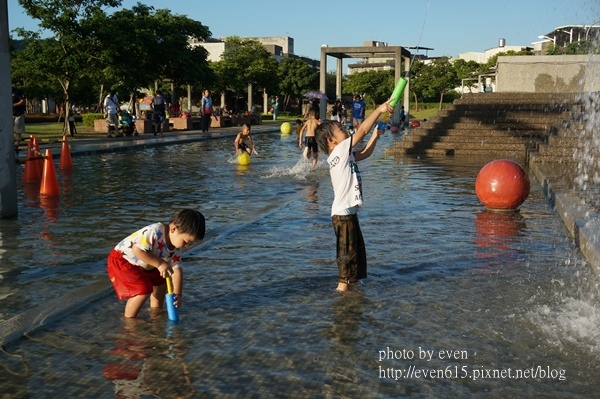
496 234
147 358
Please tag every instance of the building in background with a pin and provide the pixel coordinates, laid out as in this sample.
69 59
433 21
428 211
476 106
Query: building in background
565 35
279 46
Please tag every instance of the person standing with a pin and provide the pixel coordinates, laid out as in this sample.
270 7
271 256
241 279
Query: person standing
346 180
311 148
111 102
336 111
275 108
18 102
402 117
358 111
159 116
206 110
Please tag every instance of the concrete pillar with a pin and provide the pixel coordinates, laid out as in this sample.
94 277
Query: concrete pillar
322 80
8 180
407 88
338 79
249 97
265 101
189 99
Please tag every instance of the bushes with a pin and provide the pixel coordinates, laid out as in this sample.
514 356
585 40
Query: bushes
55 118
88 119
41 118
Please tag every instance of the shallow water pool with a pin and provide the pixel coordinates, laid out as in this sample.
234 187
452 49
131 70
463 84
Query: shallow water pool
459 302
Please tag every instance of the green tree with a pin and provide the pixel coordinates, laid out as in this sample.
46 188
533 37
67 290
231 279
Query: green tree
467 70
68 54
418 83
441 78
583 47
493 60
374 86
295 77
244 62
156 44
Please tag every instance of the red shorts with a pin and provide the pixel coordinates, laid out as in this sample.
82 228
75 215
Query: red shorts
131 280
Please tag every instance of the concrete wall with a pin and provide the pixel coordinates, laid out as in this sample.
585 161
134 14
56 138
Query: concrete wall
548 74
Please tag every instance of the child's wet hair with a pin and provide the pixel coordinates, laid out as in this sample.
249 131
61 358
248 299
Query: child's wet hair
190 221
323 132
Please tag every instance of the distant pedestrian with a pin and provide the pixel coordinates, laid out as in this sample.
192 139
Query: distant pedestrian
206 110
358 111
336 111
159 115
402 118
275 108
111 105
18 102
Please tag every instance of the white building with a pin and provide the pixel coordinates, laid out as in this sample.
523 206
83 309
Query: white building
279 46
482 58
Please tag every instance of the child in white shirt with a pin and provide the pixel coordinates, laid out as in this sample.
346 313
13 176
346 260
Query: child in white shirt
347 187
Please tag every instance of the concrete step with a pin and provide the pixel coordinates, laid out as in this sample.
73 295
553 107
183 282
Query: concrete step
460 152
565 163
564 141
508 98
471 140
513 126
499 114
473 146
492 120
569 153
523 134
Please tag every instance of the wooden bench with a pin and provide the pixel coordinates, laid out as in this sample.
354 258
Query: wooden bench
191 123
220 121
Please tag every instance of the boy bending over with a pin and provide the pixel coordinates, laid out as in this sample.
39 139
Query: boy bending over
138 265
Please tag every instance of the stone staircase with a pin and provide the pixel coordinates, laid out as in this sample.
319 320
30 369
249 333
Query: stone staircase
573 150
510 125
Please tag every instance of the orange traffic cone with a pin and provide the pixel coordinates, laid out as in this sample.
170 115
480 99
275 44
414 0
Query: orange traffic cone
31 174
38 162
49 184
66 162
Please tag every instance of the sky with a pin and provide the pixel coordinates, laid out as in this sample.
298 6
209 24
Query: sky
450 27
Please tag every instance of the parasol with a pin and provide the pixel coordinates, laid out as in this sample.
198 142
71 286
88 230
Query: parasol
315 95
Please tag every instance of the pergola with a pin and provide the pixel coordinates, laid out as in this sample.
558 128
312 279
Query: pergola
398 53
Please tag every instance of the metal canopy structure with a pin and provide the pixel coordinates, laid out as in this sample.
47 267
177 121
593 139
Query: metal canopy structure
398 53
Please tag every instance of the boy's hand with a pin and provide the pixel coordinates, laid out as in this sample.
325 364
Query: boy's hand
385 107
165 268
177 300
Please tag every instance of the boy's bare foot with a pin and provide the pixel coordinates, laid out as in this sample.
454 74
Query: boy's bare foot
342 287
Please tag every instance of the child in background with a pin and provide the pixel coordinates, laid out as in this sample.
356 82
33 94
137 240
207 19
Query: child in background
347 188
243 141
312 149
298 128
138 265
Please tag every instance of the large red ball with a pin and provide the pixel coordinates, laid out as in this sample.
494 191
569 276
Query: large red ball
502 185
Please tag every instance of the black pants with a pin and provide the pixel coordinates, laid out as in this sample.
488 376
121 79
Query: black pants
205 122
350 248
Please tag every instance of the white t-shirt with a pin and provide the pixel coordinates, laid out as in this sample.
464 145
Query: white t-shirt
345 178
150 239
110 104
